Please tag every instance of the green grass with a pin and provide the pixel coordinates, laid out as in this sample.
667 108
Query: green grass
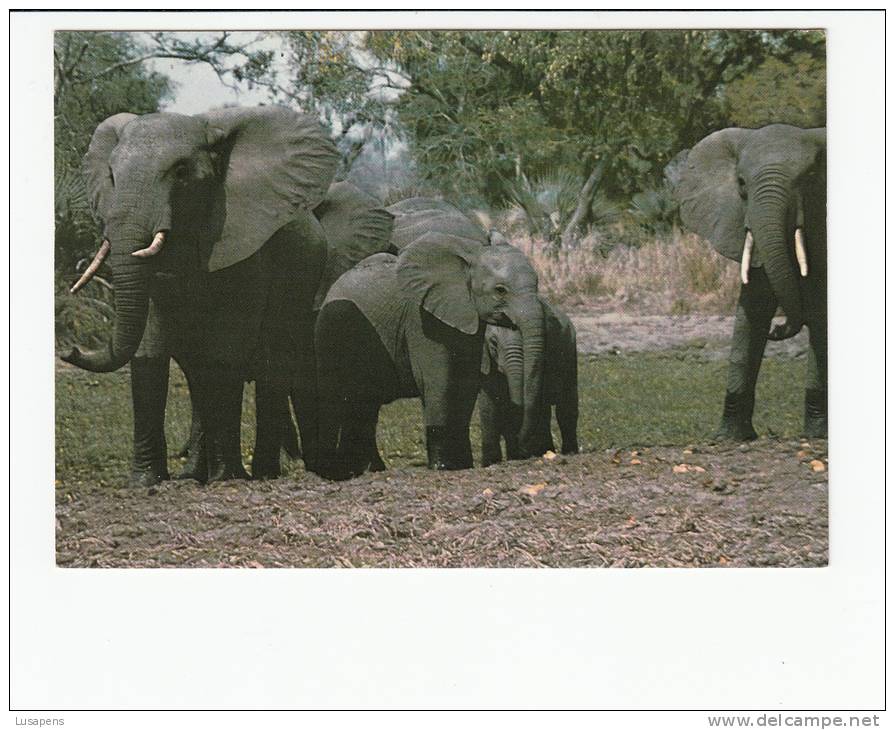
634 400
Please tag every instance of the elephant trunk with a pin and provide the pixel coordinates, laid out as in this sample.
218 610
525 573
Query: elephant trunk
529 318
513 366
131 277
770 229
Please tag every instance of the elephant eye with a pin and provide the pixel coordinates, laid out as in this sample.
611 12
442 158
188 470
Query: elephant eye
501 289
742 186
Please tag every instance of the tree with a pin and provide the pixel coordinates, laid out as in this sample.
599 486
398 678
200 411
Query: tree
483 108
788 92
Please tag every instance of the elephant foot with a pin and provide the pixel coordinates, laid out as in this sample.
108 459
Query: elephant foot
436 447
815 413
196 465
291 445
540 449
334 473
194 469
570 448
491 457
147 477
440 455
376 463
225 472
735 431
736 423
266 468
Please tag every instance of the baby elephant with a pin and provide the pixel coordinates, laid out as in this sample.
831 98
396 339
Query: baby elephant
500 400
412 326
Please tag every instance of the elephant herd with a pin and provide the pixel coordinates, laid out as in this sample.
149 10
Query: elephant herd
235 253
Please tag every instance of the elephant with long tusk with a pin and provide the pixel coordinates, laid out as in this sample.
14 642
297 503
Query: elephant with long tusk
759 196
208 225
355 225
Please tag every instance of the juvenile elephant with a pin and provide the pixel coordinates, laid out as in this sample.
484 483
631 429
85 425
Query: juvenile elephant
760 197
500 400
216 258
413 325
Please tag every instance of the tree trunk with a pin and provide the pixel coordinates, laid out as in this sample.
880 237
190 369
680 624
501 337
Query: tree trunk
585 195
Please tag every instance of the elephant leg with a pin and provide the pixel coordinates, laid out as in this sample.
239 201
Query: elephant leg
567 407
358 439
568 428
290 438
510 423
196 465
195 434
272 414
489 418
543 438
814 294
755 310
149 390
375 458
451 380
816 384
305 396
329 457
469 380
220 398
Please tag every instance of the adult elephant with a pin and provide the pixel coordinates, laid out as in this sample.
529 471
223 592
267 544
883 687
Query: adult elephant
413 325
216 255
760 197
503 384
355 225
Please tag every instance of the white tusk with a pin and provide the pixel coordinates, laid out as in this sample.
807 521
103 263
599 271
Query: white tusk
747 258
801 256
153 248
91 270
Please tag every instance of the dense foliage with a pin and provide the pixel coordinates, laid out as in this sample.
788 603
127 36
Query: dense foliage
488 112
565 124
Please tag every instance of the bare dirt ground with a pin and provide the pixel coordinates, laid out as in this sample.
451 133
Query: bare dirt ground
601 332
758 504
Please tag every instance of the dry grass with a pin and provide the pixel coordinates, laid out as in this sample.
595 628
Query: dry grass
676 274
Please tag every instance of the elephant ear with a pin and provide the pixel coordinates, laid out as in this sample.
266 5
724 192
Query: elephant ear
417 217
356 226
818 135
434 272
708 192
97 173
275 161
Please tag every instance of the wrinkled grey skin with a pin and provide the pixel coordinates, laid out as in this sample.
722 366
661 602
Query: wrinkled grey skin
355 226
416 322
500 399
233 192
769 181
